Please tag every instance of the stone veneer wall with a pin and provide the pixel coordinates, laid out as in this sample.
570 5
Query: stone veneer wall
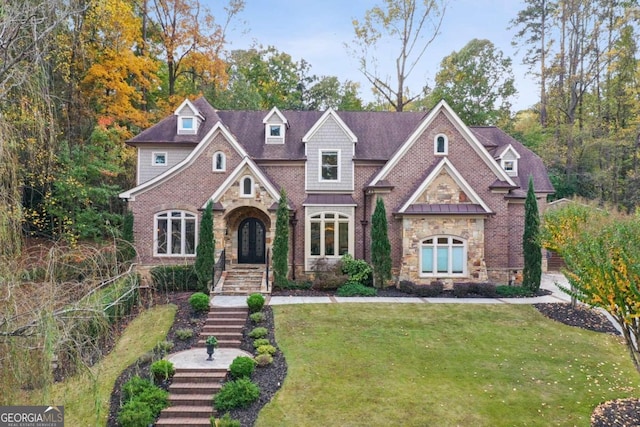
416 229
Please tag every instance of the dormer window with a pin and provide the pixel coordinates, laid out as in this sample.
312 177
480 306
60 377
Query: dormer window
509 161
159 159
187 125
275 126
441 145
219 162
275 131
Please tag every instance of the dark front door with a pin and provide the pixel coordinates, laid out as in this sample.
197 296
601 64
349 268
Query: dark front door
251 242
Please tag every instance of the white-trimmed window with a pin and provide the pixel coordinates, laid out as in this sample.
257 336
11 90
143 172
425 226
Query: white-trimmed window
219 162
175 233
509 166
441 144
329 165
329 235
275 131
159 159
443 256
187 125
246 187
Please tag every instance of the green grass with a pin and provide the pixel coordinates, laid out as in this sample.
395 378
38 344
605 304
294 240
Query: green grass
441 365
86 396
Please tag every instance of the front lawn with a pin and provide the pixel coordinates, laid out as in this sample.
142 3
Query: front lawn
444 365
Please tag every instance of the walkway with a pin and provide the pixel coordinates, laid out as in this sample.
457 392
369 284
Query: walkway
548 282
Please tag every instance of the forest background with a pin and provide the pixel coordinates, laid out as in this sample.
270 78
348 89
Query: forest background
80 77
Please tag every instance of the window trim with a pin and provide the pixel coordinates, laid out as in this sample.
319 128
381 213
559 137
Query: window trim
514 166
242 192
159 153
320 218
184 216
446 145
273 126
450 245
223 168
321 153
187 130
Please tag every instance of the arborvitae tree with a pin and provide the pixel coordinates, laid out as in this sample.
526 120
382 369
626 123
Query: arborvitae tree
531 242
126 251
380 246
205 250
281 242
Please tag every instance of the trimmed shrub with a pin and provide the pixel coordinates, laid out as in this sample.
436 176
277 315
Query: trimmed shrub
264 359
135 414
199 302
175 278
255 302
225 421
258 332
236 394
352 289
144 401
461 290
184 334
261 341
162 370
422 291
135 386
242 367
513 291
257 317
327 275
266 349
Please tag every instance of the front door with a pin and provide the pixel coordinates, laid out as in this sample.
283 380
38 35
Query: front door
251 242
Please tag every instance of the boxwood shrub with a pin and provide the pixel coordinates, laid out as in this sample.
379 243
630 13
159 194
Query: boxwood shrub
242 367
236 394
423 291
354 289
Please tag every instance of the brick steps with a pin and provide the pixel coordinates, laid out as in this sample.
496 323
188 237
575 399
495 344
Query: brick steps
191 391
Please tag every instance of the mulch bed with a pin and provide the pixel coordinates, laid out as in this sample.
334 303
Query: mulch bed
618 413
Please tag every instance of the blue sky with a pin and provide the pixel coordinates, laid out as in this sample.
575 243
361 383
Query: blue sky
316 30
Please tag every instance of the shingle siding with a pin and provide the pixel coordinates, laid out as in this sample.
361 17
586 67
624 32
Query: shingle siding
329 137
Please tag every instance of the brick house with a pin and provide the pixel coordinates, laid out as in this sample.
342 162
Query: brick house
454 194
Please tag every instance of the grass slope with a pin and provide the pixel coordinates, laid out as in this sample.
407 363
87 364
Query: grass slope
86 396
445 365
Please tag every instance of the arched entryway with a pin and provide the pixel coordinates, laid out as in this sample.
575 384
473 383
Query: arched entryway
251 241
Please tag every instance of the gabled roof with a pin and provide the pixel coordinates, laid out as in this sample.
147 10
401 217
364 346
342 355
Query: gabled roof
447 166
277 112
380 136
330 113
235 175
192 107
506 150
130 194
464 131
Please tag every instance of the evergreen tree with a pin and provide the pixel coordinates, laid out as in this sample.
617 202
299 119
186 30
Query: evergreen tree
281 242
126 250
380 246
205 250
531 242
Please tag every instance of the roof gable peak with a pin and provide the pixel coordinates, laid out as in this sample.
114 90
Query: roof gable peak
317 125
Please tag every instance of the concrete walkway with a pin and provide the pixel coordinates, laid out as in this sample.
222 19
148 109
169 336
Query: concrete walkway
196 358
548 282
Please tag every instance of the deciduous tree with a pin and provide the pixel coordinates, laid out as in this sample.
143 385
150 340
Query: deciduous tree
412 25
477 82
